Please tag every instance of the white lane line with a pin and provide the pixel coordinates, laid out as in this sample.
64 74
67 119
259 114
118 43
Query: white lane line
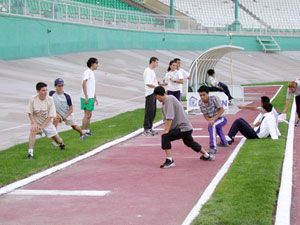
12 128
283 212
37 176
214 183
60 192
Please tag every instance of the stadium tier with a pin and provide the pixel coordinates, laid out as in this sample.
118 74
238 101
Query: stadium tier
252 13
276 13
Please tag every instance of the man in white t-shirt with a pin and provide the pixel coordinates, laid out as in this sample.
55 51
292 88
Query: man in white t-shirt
293 89
151 82
88 94
41 111
182 72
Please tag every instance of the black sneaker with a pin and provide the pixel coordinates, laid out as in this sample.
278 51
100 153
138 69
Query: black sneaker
222 145
29 156
62 146
297 124
211 157
168 164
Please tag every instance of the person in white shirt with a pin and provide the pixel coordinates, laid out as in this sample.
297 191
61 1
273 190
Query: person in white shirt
215 85
173 80
293 89
263 100
267 127
151 82
185 74
88 94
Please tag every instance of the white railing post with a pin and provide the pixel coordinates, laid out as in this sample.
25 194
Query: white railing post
79 15
53 13
40 9
67 16
25 7
90 16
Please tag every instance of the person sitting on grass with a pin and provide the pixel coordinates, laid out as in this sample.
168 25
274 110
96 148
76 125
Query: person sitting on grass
213 111
41 111
267 127
177 126
263 100
64 107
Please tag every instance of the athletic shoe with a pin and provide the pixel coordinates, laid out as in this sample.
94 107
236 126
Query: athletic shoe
62 146
229 140
83 137
297 124
153 132
222 145
148 133
89 133
212 151
29 156
168 164
211 157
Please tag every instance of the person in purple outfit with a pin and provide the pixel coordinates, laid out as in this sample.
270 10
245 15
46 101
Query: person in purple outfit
212 111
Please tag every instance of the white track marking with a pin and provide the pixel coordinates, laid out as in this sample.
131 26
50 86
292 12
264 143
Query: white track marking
37 176
61 192
283 212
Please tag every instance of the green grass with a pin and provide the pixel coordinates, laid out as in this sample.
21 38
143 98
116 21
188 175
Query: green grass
14 164
247 195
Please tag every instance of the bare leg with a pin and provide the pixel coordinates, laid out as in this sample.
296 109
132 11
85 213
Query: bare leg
57 139
31 141
78 129
86 119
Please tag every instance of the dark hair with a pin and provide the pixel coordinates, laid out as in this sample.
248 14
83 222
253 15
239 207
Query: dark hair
170 64
159 90
153 59
177 59
91 61
268 107
265 99
203 88
40 85
210 72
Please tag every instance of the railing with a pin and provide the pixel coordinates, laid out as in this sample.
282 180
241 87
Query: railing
75 12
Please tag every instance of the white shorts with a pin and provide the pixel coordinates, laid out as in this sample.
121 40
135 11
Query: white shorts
70 120
50 130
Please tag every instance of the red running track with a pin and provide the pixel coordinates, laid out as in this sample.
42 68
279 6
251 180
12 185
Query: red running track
141 192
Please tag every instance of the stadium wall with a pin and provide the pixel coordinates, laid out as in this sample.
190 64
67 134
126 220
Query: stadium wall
26 37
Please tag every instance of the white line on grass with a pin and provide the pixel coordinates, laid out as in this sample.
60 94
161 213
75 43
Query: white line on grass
213 184
51 170
283 212
61 192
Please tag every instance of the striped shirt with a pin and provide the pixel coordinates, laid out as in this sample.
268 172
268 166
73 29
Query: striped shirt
211 108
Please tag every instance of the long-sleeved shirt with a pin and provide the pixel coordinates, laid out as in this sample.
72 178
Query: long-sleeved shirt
268 126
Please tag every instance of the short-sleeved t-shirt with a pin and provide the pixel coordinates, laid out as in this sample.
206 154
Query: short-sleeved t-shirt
173 75
62 102
41 109
210 109
185 75
173 110
89 75
149 78
297 92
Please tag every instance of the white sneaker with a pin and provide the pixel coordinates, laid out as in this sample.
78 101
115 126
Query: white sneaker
54 143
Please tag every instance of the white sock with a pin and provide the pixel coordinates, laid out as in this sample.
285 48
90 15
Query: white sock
206 155
170 158
30 151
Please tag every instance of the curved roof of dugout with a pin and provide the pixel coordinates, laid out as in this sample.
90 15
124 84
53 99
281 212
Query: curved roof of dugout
207 60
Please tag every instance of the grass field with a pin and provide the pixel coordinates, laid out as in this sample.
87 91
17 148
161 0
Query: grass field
247 195
14 164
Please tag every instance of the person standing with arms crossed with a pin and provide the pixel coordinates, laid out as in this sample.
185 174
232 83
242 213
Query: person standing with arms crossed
88 95
151 82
